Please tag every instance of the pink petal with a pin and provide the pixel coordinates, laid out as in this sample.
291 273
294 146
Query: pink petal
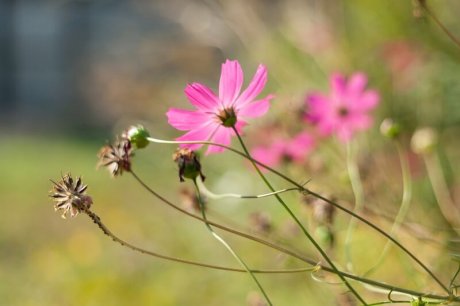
368 100
267 156
202 97
344 133
202 133
360 121
240 124
256 108
185 120
356 84
223 136
317 106
328 124
338 85
255 87
300 146
231 80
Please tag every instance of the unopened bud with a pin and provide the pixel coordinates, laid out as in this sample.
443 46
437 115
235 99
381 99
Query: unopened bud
325 235
390 128
138 136
424 140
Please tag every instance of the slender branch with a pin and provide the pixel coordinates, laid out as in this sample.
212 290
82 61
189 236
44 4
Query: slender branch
294 217
451 285
357 187
296 255
403 209
438 22
216 196
97 220
306 190
390 302
441 191
226 245
222 227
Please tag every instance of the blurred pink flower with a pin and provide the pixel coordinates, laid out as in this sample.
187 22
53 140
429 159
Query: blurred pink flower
295 149
345 110
215 116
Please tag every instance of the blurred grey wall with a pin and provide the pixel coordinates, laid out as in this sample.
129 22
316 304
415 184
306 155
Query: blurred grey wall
47 50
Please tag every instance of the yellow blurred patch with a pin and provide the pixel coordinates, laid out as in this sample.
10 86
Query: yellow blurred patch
84 247
49 263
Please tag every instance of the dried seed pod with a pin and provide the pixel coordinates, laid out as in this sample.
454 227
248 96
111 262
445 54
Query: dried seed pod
70 197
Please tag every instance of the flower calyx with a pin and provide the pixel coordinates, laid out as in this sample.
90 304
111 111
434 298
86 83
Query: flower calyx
189 164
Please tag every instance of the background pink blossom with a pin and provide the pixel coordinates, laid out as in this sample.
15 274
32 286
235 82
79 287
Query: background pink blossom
295 149
345 109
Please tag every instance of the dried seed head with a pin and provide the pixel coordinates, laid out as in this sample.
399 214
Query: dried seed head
116 157
418 8
323 212
189 165
261 222
70 196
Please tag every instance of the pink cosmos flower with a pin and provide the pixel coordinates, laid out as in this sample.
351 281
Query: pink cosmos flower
295 149
345 110
215 116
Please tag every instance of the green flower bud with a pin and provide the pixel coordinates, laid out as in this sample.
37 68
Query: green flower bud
390 129
138 135
189 165
424 140
324 234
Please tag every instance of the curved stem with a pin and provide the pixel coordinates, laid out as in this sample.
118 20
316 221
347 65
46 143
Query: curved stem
441 191
226 245
390 302
216 196
306 190
294 254
97 220
357 187
222 227
438 22
403 209
296 220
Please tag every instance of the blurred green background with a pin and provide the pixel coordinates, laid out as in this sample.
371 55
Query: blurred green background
74 73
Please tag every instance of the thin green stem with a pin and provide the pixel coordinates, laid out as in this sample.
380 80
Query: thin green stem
438 22
226 245
451 284
222 227
296 220
293 254
216 196
357 187
403 209
390 302
306 190
97 220
441 191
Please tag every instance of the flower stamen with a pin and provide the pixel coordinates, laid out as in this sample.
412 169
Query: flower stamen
227 117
